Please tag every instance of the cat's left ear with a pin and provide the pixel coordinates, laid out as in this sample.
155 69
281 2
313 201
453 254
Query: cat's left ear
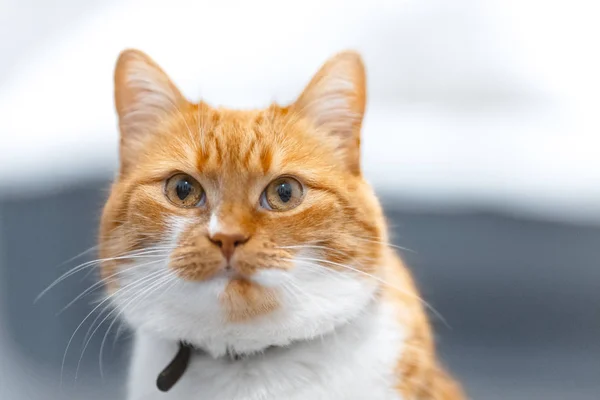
143 95
334 102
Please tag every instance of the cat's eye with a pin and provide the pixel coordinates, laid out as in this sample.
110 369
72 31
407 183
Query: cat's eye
184 191
282 194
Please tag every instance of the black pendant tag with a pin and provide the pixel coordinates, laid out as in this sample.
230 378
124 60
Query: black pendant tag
174 371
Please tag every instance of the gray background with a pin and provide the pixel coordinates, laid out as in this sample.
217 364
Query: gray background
520 296
481 137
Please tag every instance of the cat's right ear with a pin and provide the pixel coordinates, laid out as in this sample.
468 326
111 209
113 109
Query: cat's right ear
143 95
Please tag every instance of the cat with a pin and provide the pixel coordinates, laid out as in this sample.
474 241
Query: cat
246 248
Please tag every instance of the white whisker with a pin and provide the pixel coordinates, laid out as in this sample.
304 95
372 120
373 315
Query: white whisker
306 295
316 262
88 337
309 246
91 312
371 240
107 280
166 278
89 264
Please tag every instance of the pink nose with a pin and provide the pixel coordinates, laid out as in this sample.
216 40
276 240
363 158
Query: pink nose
228 242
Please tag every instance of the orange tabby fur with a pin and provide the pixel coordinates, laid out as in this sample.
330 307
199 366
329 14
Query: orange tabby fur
234 155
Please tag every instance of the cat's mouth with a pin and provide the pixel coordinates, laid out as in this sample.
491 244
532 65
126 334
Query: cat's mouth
228 272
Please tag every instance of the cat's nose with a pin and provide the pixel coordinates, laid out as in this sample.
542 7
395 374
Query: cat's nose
228 242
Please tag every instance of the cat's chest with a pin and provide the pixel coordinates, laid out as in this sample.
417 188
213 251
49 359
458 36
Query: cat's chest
343 366
316 378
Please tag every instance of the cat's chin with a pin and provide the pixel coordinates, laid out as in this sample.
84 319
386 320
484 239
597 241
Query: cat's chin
252 339
191 313
241 339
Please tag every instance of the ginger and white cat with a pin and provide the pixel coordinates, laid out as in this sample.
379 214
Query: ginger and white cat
253 237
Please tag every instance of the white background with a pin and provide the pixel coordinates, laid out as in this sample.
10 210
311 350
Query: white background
472 103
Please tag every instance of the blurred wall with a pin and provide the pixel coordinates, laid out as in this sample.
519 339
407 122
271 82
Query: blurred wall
470 102
481 136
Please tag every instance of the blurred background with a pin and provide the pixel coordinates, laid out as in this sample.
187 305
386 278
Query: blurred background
482 138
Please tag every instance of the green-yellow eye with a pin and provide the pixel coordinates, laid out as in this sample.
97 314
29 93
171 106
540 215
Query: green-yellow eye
184 191
283 194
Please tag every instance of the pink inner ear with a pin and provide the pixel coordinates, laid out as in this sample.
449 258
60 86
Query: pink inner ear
143 95
334 102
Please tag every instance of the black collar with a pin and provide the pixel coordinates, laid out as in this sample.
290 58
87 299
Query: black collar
176 368
174 371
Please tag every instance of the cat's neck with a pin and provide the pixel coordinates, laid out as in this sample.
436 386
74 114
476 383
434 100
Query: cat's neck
234 354
370 340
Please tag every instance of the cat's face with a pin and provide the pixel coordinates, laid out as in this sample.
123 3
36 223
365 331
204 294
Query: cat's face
237 230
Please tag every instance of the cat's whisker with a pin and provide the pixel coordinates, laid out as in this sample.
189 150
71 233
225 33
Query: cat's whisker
168 277
106 307
83 253
372 240
144 253
344 253
325 272
316 261
329 249
292 292
88 338
109 305
308 246
303 292
137 282
94 263
106 280
115 319
120 330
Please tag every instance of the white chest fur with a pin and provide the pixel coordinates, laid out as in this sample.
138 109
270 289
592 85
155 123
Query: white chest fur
355 362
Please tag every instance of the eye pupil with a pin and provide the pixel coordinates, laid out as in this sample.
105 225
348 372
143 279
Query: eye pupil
282 194
284 190
183 189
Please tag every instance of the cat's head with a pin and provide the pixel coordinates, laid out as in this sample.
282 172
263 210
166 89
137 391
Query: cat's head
237 230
